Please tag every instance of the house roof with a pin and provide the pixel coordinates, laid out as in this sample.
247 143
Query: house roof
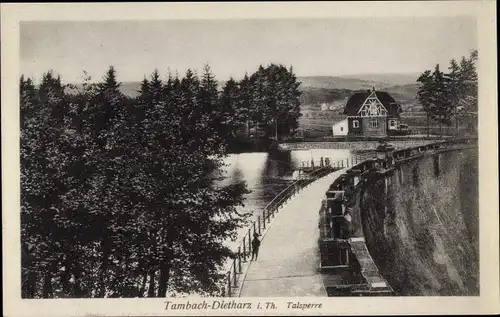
344 121
355 102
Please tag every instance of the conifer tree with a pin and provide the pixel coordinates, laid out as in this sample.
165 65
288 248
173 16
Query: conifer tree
244 104
233 115
424 94
454 89
468 78
442 106
451 94
293 102
144 90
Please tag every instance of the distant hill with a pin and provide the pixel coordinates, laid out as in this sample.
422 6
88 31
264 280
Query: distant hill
329 89
389 79
330 82
131 88
316 96
404 94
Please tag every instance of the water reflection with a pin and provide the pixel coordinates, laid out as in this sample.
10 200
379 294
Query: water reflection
267 174
247 167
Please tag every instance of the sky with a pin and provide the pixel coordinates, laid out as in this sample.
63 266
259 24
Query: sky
314 47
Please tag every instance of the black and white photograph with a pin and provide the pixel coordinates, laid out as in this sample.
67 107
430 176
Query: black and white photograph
314 158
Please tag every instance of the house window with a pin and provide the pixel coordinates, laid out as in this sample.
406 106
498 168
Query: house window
341 128
344 257
373 123
392 123
355 123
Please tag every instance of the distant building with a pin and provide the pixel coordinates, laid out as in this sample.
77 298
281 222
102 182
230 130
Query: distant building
340 128
372 113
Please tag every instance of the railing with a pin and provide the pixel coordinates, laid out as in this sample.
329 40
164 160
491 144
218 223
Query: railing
416 150
444 131
369 163
243 254
336 164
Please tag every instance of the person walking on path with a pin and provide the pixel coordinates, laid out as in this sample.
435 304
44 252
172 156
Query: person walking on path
255 246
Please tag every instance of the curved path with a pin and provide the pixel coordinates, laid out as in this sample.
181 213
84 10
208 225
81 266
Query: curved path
288 263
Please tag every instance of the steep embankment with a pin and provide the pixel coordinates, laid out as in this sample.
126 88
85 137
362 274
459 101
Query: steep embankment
423 235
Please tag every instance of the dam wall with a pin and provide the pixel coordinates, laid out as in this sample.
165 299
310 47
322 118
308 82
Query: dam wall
423 232
416 214
351 145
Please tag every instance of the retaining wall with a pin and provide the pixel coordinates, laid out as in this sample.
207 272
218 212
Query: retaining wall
423 234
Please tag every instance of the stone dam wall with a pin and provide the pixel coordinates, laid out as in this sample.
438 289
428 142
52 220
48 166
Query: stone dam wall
352 145
421 225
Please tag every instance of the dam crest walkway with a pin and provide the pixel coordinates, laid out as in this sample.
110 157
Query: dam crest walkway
288 260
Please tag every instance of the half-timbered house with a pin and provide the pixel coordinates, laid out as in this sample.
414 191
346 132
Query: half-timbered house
372 113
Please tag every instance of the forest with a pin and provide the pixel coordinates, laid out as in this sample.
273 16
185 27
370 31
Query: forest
120 196
450 97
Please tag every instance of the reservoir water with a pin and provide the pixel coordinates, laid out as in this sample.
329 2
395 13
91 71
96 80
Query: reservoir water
267 174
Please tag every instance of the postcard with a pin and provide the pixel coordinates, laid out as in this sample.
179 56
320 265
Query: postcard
264 158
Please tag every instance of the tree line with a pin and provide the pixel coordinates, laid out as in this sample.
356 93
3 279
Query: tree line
268 102
120 196
446 97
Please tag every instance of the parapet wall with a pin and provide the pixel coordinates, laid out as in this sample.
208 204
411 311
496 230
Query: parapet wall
418 218
365 145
